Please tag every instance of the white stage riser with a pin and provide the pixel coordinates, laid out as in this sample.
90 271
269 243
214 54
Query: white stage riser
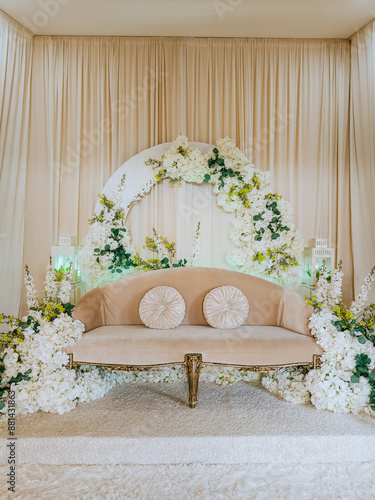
152 424
204 450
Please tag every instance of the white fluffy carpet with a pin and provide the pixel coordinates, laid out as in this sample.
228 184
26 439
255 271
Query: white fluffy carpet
142 441
198 481
152 424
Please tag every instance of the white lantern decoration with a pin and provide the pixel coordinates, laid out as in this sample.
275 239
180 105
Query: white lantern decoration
63 258
316 258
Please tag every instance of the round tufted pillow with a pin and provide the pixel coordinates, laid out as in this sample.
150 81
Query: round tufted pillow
162 308
225 307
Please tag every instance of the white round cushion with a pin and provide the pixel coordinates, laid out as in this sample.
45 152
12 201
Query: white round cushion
225 307
162 308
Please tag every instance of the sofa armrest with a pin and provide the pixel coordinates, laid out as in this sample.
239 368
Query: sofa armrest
89 310
294 313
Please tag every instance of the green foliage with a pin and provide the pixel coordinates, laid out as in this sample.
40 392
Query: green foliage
242 192
275 226
61 272
161 246
362 328
362 370
157 165
165 263
16 330
318 273
108 205
13 380
158 243
121 260
217 165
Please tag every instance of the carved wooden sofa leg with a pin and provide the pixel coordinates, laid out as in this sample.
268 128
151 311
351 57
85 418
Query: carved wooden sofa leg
317 361
193 364
69 365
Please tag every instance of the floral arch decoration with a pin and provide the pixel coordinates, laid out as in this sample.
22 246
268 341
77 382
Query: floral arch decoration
265 240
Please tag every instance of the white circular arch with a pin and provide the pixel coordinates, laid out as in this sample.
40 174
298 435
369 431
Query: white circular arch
265 240
138 173
216 223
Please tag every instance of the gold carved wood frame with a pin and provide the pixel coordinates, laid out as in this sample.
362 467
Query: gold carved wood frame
193 363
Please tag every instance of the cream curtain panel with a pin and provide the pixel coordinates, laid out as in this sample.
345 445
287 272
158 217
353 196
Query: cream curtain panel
362 152
97 101
15 73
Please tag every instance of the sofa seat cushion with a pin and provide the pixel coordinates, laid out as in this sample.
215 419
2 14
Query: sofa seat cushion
245 345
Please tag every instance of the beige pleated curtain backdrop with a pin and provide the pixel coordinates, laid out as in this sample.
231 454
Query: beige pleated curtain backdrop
97 101
16 44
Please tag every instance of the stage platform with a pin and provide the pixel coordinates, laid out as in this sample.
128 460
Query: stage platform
148 431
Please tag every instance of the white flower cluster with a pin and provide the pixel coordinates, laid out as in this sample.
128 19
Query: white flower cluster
65 287
31 293
52 387
258 250
146 189
360 301
275 260
100 234
289 384
330 387
176 373
49 288
196 248
328 293
161 246
183 162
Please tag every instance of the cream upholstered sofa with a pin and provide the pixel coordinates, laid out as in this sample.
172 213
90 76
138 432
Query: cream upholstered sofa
275 333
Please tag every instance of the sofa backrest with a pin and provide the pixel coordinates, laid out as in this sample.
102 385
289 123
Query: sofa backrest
117 303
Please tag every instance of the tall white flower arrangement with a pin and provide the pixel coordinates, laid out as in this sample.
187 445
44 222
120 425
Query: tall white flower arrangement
345 382
107 244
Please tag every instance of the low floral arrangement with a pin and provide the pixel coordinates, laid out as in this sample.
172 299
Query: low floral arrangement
265 240
345 382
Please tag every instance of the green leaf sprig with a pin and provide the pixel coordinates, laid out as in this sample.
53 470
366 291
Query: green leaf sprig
121 260
217 165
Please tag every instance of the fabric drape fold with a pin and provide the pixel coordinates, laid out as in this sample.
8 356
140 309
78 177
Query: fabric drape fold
362 152
16 45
